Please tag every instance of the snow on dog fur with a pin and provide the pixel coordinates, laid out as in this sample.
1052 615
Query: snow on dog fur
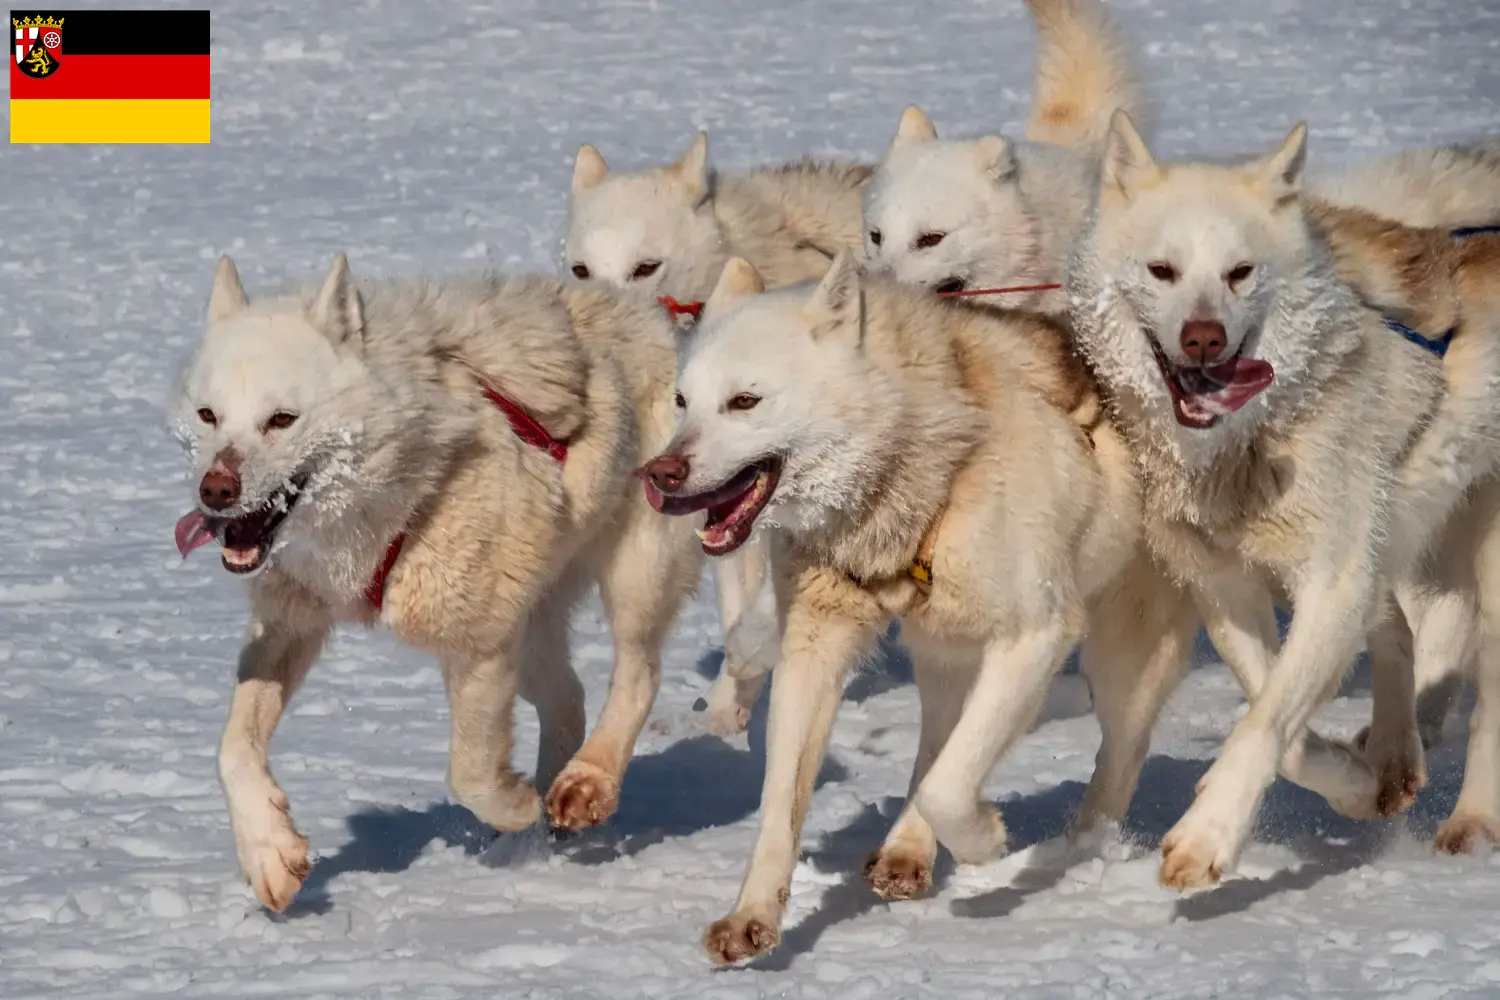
887 432
1282 432
667 231
323 427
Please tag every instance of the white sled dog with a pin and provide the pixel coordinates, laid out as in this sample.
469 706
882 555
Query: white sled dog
1291 443
888 432
974 215
453 461
964 216
667 231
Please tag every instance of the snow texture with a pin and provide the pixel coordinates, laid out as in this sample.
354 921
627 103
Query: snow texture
425 137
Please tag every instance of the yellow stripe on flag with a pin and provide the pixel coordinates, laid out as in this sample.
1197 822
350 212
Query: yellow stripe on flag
109 121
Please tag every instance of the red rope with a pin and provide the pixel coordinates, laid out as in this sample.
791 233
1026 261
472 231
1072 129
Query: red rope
965 293
526 428
676 309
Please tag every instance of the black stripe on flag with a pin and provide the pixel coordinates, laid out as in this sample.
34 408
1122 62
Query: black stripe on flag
127 32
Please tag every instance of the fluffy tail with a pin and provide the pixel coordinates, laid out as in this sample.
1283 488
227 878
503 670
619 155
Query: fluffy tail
1449 186
1084 72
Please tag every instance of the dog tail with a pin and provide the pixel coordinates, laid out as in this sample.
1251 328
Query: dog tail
1444 187
1084 72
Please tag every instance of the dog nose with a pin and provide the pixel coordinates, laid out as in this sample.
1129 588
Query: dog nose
1203 340
667 472
220 488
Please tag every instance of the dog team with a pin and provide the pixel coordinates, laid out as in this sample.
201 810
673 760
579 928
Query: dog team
1024 396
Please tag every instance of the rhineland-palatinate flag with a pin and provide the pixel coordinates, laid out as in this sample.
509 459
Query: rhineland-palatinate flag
109 76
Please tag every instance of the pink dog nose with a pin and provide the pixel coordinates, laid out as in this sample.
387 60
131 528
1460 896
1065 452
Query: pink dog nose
667 472
1203 340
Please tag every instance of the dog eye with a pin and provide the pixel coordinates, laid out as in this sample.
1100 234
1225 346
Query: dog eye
1162 271
681 402
281 420
875 237
581 272
744 401
645 269
928 240
208 417
1239 274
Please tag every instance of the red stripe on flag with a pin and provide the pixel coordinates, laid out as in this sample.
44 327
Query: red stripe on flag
117 77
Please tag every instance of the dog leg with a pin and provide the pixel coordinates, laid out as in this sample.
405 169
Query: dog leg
550 683
481 704
819 649
1008 691
902 866
1138 647
1393 749
1240 619
751 648
273 855
653 569
1331 618
1476 815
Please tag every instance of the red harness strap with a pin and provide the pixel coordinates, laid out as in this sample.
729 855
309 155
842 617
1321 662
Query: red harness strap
677 309
526 428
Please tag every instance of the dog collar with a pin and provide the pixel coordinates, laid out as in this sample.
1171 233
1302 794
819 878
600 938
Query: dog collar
677 310
526 428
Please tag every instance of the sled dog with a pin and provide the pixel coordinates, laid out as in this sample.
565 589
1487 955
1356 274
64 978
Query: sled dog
452 461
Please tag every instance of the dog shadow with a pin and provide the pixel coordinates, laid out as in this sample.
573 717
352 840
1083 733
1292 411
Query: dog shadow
693 785
1325 843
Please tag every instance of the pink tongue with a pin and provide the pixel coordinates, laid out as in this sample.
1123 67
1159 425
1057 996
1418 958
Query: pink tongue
1243 379
192 533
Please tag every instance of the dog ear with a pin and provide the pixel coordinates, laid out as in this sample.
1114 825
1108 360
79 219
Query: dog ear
835 303
1282 170
692 168
589 169
738 280
996 157
1127 161
338 311
228 295
914 127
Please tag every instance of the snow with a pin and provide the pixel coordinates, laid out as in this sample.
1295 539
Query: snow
425 137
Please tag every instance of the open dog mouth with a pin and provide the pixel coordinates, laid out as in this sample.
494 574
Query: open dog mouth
950 285
732 508
1200 396
246 538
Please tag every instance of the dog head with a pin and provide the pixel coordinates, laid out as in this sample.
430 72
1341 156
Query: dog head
947 214
257 411
778 407
1205 263
652 230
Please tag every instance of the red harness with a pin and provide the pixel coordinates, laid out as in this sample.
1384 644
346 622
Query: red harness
677 309
526 428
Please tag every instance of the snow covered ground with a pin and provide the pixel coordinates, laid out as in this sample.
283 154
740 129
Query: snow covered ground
435 136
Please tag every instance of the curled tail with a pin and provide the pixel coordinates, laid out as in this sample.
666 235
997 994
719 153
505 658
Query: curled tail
1084 72
1446 186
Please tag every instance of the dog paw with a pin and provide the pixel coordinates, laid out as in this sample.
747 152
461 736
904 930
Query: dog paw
583 795
507 806
974 833
1401 773
898 872
274 862
730 720
1462 833
736 938
1202 847
1431 735
1352 788
1187 863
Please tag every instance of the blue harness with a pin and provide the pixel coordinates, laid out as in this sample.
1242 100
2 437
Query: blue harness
1438 346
